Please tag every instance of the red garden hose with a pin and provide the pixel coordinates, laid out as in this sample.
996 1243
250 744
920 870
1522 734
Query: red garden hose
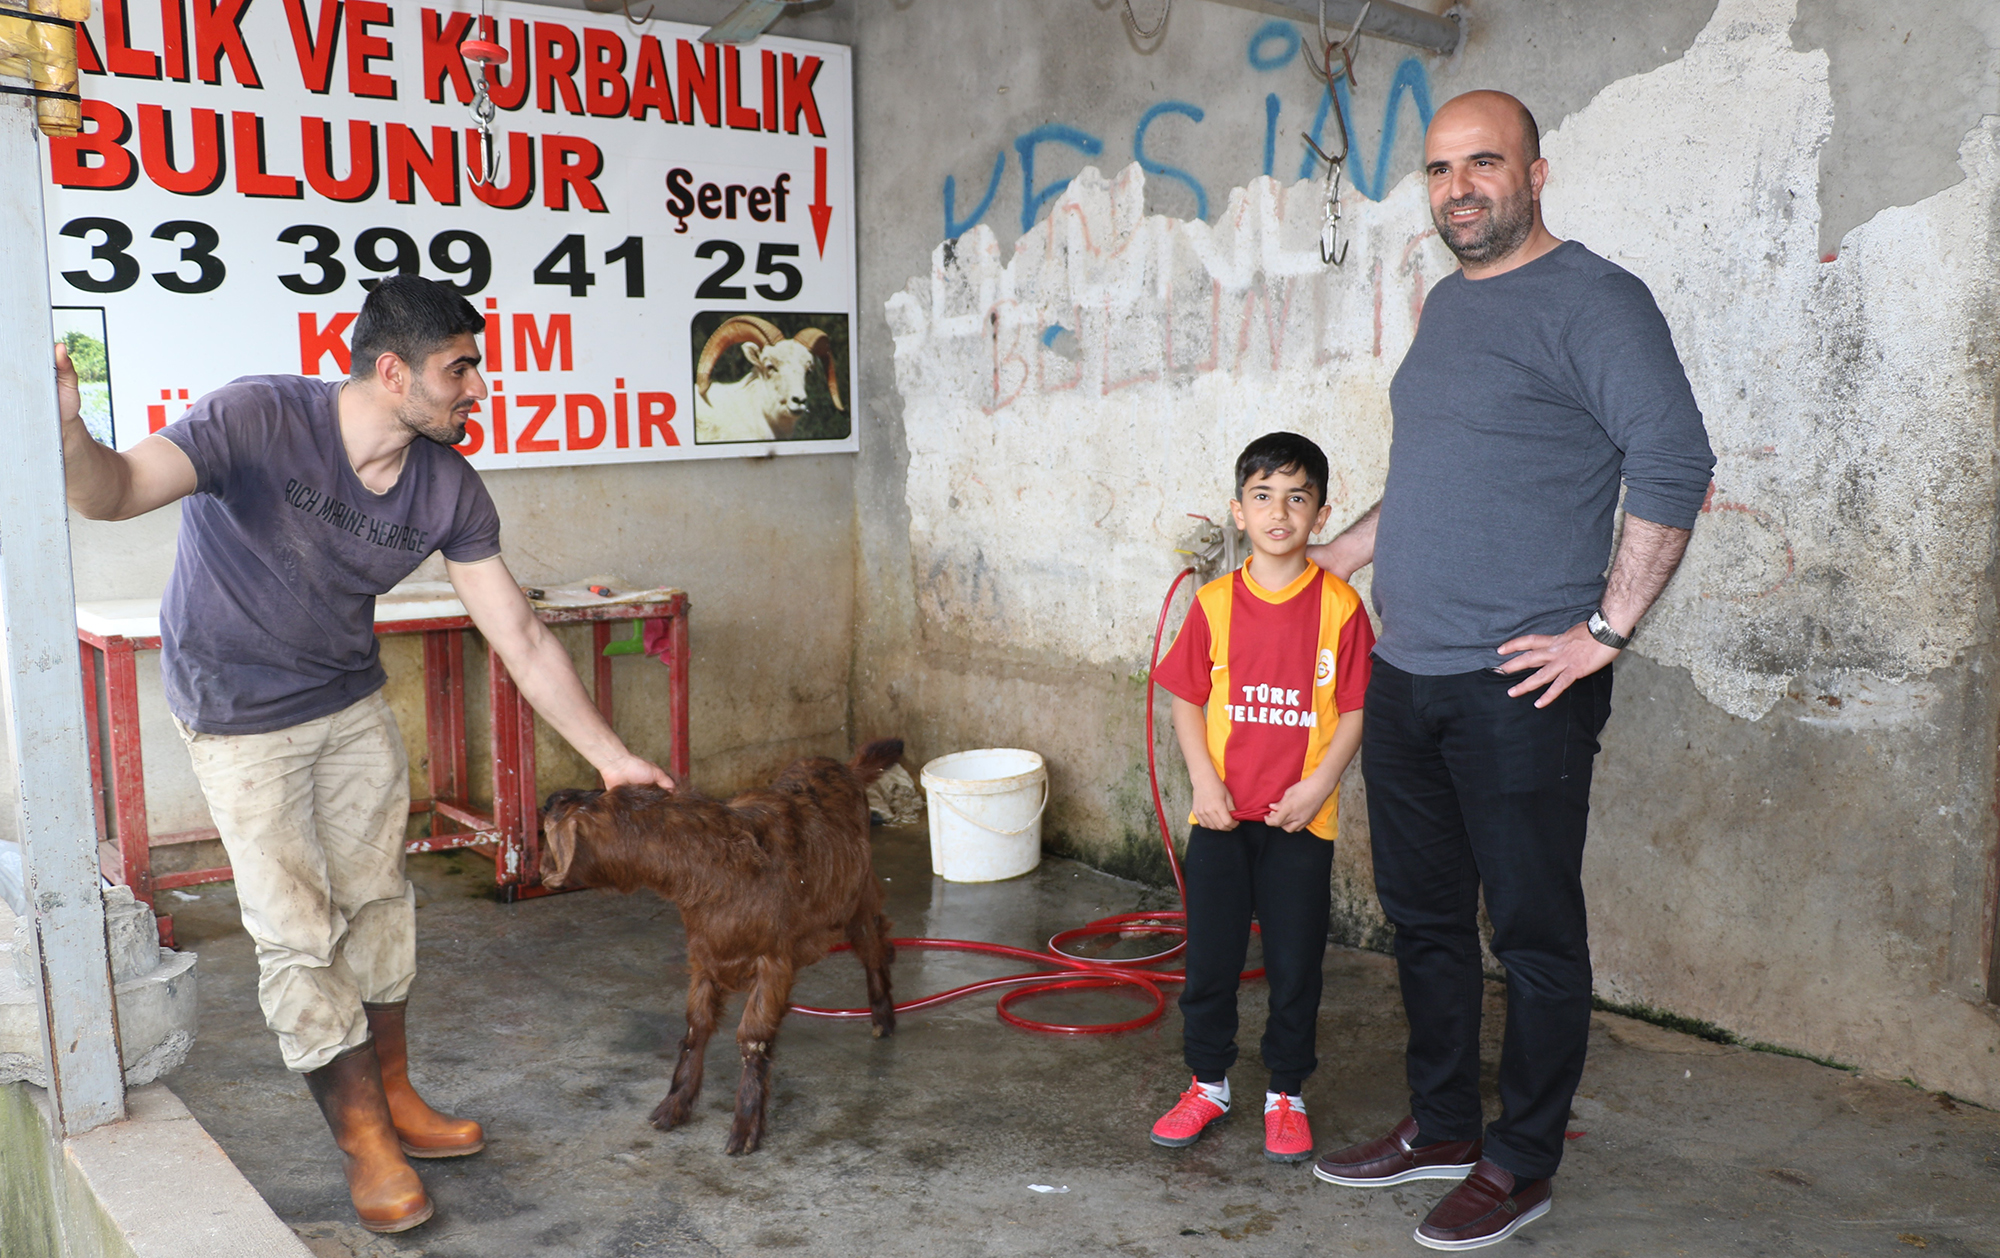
1063 971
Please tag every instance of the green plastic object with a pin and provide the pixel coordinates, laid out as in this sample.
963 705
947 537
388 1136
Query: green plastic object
634 645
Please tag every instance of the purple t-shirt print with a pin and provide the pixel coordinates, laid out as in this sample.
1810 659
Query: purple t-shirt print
269 618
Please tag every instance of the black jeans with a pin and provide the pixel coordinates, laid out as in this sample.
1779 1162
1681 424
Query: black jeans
1286 880
1469 788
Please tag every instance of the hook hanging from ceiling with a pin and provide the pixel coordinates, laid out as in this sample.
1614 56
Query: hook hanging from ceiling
1323 71
483 53
1165 9
1333 250
1329 227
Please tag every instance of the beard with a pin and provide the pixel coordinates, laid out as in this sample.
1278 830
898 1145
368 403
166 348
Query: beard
1506 227
420 414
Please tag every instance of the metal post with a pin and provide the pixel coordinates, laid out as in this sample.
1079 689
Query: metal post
1385 20
43 700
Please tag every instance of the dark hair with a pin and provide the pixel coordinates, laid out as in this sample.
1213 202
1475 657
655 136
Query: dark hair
410 317
1282 452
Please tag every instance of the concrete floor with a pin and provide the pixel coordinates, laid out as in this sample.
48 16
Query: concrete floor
554 1021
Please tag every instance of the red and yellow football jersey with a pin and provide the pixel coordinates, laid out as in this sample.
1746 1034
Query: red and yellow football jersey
1275 669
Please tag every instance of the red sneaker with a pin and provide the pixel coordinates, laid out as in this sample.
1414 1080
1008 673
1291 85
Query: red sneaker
1287 1138
1183 1124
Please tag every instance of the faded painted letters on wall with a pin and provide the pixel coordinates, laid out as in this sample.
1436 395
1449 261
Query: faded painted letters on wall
1068 401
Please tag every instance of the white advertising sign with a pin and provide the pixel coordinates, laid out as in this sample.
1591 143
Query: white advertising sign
247 172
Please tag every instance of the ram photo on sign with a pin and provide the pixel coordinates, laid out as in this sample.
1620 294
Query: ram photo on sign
248 171
769 375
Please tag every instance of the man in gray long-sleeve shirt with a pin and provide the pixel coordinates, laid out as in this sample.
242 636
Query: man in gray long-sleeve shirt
1541 377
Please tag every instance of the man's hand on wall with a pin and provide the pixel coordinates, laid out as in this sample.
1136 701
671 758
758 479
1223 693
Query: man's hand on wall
1558 661
69 398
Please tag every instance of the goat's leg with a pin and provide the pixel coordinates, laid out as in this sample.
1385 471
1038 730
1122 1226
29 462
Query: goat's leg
869 935
704 1007
770 995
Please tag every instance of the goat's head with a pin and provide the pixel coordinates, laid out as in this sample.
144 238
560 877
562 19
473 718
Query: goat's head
782 365
562 813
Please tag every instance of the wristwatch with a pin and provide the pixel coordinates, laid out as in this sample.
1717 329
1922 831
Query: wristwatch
1601 629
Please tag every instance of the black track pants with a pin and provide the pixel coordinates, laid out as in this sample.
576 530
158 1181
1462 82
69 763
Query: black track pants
1284 880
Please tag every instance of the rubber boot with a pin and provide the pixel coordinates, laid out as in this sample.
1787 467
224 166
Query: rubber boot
425 1133
386 1191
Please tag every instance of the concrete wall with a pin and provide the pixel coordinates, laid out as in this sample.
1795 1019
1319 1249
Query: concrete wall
46 1210
1793 835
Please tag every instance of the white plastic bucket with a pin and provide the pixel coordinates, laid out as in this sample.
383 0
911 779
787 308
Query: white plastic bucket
986 813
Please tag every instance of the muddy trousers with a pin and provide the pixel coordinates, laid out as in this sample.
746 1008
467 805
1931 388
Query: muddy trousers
313 817
1469 789
1285 881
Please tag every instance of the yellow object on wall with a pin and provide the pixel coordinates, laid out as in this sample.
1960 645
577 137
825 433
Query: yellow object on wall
44 53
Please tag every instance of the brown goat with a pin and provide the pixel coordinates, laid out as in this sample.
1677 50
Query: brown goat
766 883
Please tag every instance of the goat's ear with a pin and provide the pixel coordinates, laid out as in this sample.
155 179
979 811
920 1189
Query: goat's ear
755 353
558 846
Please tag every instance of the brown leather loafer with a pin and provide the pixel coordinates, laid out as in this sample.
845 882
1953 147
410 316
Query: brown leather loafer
1392 1160
1487 1208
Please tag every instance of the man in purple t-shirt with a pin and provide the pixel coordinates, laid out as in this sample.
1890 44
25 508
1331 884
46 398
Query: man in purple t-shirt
306 499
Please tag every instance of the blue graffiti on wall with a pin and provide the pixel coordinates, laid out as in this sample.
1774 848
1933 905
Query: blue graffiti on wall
1411 80
1275 46
1159 168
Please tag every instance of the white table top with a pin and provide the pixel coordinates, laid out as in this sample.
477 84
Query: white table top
412 600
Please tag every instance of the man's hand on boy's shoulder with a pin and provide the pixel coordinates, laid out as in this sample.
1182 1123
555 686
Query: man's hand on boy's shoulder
1213 806
1295 810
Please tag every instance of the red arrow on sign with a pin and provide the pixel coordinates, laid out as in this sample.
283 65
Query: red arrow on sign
822 213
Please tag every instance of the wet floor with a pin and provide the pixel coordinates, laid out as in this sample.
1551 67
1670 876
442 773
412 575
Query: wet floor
554 1022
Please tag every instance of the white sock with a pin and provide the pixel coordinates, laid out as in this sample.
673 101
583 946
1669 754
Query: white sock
1271 1102
1217 1092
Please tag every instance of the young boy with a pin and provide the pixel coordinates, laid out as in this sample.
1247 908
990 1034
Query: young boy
1278 651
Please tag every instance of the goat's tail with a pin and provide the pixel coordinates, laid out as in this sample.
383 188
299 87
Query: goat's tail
871 761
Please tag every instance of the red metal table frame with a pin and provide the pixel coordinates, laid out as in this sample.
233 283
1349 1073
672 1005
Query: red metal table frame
511 837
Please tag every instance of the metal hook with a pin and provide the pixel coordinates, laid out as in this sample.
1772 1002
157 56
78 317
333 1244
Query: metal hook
1158 26
484 52
483 114
1324 71
633 22
1329 227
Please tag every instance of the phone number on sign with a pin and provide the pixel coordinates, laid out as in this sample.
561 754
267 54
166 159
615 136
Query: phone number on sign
461 259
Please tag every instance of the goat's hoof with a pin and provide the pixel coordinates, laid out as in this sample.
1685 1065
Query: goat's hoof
740 1142
669 1115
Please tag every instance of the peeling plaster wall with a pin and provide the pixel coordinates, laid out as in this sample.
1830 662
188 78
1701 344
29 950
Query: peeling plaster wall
1793 828
1911 79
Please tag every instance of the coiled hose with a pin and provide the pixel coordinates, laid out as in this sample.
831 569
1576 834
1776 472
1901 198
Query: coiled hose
1060 970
